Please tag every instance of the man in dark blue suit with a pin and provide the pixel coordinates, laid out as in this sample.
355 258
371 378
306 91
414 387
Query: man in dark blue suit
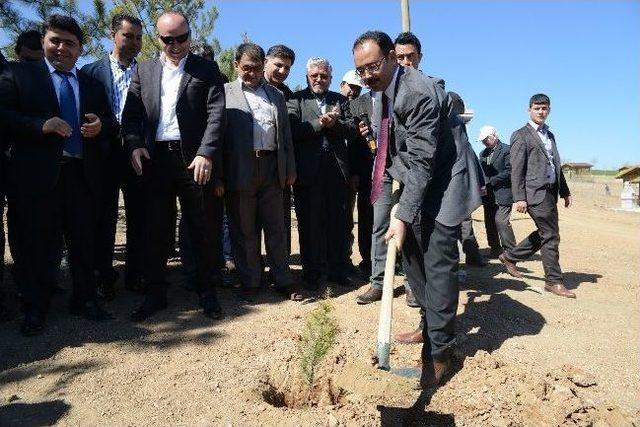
114 72
60 123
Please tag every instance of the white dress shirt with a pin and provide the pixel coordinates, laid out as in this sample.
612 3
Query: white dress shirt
390 91
542 131
264 117
57 81
168 129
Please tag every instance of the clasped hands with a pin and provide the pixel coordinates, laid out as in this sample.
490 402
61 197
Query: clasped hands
89 129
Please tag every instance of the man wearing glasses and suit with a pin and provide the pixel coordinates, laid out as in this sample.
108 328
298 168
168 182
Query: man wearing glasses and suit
173 123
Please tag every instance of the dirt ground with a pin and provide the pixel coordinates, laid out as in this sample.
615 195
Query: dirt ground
524 357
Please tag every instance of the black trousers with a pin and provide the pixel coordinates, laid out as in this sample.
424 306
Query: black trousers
41 221
165 177
321 209
546 239
252 210
365 220
119 175
497 221
430 255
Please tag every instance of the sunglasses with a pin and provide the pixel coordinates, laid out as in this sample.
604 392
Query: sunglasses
175 39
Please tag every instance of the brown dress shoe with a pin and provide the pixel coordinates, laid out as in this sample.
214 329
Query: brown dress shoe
372 295
434 372
559 289
511 266
413 337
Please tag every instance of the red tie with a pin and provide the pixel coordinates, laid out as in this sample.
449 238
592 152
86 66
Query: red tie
381 154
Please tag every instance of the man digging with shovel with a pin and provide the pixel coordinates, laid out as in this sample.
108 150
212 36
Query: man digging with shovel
417 149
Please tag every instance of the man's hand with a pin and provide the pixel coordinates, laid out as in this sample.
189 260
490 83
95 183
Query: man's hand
568 201
397 229
290 180
354 183
328 120
521 206
92 126
364 129
202 168
136 159
57 125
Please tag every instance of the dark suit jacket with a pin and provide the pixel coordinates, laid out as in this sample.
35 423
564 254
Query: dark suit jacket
529 161
238 153
360 156
462 195
498 173
27 100
307 134
423 150
200 108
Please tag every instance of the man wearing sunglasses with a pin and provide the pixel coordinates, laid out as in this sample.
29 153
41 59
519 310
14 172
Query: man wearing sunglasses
415 147
173 122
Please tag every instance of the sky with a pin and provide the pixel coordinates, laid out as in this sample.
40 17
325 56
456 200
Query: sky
584 54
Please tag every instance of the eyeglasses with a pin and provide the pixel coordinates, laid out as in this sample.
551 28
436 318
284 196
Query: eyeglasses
370 68
175 39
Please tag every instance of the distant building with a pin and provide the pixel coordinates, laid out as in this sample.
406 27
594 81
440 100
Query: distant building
577 169
630 176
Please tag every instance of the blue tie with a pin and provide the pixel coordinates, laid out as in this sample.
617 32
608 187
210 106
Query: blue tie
69 110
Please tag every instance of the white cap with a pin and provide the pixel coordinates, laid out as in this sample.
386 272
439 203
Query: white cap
350 77
485 131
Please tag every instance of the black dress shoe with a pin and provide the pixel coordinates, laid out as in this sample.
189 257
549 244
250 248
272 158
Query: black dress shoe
33 323
211 307
149 307
410 297
90 310
372 295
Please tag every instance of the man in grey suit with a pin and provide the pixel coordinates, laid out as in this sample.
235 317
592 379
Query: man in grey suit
173 123
416 148
321 124
258 163
536 182
498 199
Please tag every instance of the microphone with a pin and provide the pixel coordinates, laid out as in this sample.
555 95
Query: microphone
371 141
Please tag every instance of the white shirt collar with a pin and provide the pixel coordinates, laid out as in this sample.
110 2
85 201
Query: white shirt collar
169 64
538 128
390 90
53 69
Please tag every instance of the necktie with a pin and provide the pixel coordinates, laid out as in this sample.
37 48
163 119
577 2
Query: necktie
69 113
381 155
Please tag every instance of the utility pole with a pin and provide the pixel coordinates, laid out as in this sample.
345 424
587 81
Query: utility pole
406 20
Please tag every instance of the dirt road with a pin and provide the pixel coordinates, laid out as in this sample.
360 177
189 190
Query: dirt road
524 357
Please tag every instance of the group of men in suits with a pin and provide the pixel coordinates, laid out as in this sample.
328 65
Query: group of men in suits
171 127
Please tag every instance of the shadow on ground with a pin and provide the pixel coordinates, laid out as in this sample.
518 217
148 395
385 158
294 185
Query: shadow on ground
19 414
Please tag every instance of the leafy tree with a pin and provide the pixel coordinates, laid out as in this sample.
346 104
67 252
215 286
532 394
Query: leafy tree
97 23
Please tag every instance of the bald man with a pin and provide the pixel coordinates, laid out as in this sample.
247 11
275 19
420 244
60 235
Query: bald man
173 122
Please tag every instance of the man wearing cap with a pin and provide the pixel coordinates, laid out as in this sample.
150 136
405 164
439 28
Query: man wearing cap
497 202
350 87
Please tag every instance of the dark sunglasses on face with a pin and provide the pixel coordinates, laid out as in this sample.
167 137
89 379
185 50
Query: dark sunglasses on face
175 39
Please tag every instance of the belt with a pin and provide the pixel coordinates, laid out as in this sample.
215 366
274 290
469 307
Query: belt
173 145
263 153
